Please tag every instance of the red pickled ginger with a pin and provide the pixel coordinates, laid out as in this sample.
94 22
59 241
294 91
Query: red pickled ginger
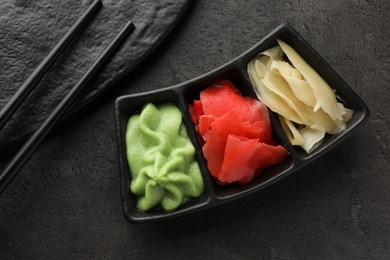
236 131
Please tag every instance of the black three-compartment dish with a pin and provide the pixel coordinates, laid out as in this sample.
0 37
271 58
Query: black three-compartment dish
235 71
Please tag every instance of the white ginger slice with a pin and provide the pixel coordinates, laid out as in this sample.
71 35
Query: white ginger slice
307 138
348 113
274 92
260 65
322 121
280 87
306 104
274 53
318 120
312 138
292 133
297 83
269 98
326 98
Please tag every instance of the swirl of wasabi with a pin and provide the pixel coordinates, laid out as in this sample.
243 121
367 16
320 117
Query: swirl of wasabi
161 159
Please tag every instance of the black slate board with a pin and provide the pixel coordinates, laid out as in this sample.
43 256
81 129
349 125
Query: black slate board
30 29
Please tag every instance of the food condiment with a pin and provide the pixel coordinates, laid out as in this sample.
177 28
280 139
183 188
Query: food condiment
161 159
307 106
235 132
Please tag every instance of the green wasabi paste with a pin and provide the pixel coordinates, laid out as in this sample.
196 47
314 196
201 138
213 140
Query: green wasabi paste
161 159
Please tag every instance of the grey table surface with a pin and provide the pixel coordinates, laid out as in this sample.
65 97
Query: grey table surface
65 203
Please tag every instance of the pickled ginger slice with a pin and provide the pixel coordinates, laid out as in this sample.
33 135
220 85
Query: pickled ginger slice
236 134
326 98
307 106
308 138
280 87
292 133
294 78
245 158
274 53
312 138
220 98
269 98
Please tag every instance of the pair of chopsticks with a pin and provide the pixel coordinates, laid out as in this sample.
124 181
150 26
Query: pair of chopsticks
25 152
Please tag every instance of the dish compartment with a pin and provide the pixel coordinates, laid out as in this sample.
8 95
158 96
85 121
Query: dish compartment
125 107
344 92
236 74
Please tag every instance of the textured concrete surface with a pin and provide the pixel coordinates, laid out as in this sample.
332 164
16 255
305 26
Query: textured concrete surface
65 203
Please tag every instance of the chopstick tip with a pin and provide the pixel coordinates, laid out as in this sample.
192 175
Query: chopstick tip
130 23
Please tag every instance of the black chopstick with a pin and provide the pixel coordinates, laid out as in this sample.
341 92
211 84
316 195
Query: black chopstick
21 94
29 147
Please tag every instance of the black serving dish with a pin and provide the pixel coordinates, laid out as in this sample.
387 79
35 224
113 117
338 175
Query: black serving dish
235 71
